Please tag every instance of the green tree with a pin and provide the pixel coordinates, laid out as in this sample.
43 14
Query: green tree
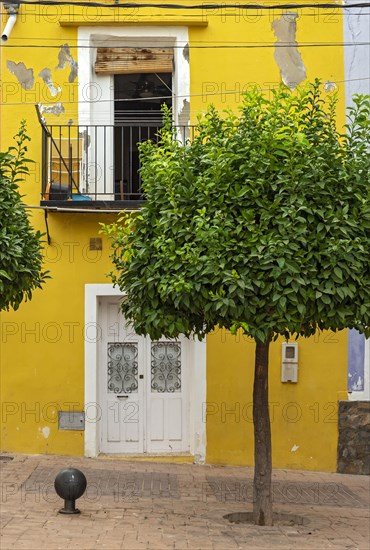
20 246
261 223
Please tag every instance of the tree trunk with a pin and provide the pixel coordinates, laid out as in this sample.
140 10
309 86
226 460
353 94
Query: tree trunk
262 497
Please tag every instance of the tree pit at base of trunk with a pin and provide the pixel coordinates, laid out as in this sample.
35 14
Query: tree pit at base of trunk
278 519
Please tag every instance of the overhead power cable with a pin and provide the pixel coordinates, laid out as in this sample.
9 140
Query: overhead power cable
179 44
213 46
130 5
222 14
187 96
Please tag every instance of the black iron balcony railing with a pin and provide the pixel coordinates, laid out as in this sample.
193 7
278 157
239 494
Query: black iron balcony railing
93 166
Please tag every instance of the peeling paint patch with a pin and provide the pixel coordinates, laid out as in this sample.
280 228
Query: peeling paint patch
86 139
46 77
294 448
65 58
329 86
184 115
286 55
23 75
45 432
56 109
185 52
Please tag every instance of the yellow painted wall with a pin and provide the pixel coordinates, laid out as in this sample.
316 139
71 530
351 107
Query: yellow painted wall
217 74
304 419
36 372
42 344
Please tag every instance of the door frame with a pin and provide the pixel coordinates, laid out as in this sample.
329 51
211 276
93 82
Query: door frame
96 92
92 406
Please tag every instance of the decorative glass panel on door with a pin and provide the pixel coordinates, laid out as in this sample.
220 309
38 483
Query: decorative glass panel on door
165 367
122 368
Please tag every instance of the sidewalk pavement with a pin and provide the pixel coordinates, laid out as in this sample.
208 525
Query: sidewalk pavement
136 505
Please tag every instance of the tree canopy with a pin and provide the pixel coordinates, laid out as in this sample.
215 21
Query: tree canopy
20 246
261 222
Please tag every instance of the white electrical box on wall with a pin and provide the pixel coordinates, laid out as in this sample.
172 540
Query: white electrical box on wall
289 362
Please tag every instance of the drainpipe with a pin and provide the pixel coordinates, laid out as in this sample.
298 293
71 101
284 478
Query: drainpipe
12 10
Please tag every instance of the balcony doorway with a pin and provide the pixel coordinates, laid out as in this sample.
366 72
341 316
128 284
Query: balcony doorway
138 99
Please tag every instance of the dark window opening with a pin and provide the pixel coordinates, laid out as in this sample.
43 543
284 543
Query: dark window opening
135 121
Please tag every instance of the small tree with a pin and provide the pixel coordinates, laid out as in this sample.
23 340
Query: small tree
261 223
20 246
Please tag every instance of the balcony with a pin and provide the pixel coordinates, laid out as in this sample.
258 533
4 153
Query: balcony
96 166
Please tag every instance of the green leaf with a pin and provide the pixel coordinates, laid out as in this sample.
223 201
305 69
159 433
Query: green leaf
5 274
338 272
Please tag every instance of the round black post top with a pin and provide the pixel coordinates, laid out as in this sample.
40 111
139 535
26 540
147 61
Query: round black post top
70 484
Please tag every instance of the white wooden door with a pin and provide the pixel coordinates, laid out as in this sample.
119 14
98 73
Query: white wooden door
166 425
143 390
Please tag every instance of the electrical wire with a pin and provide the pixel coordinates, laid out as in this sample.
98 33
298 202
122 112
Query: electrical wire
202 7
188 96
336 11
222 46
179 43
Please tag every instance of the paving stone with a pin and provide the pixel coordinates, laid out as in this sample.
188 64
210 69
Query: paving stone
138 505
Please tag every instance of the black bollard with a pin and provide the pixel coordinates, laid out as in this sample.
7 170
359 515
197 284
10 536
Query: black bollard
70 484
